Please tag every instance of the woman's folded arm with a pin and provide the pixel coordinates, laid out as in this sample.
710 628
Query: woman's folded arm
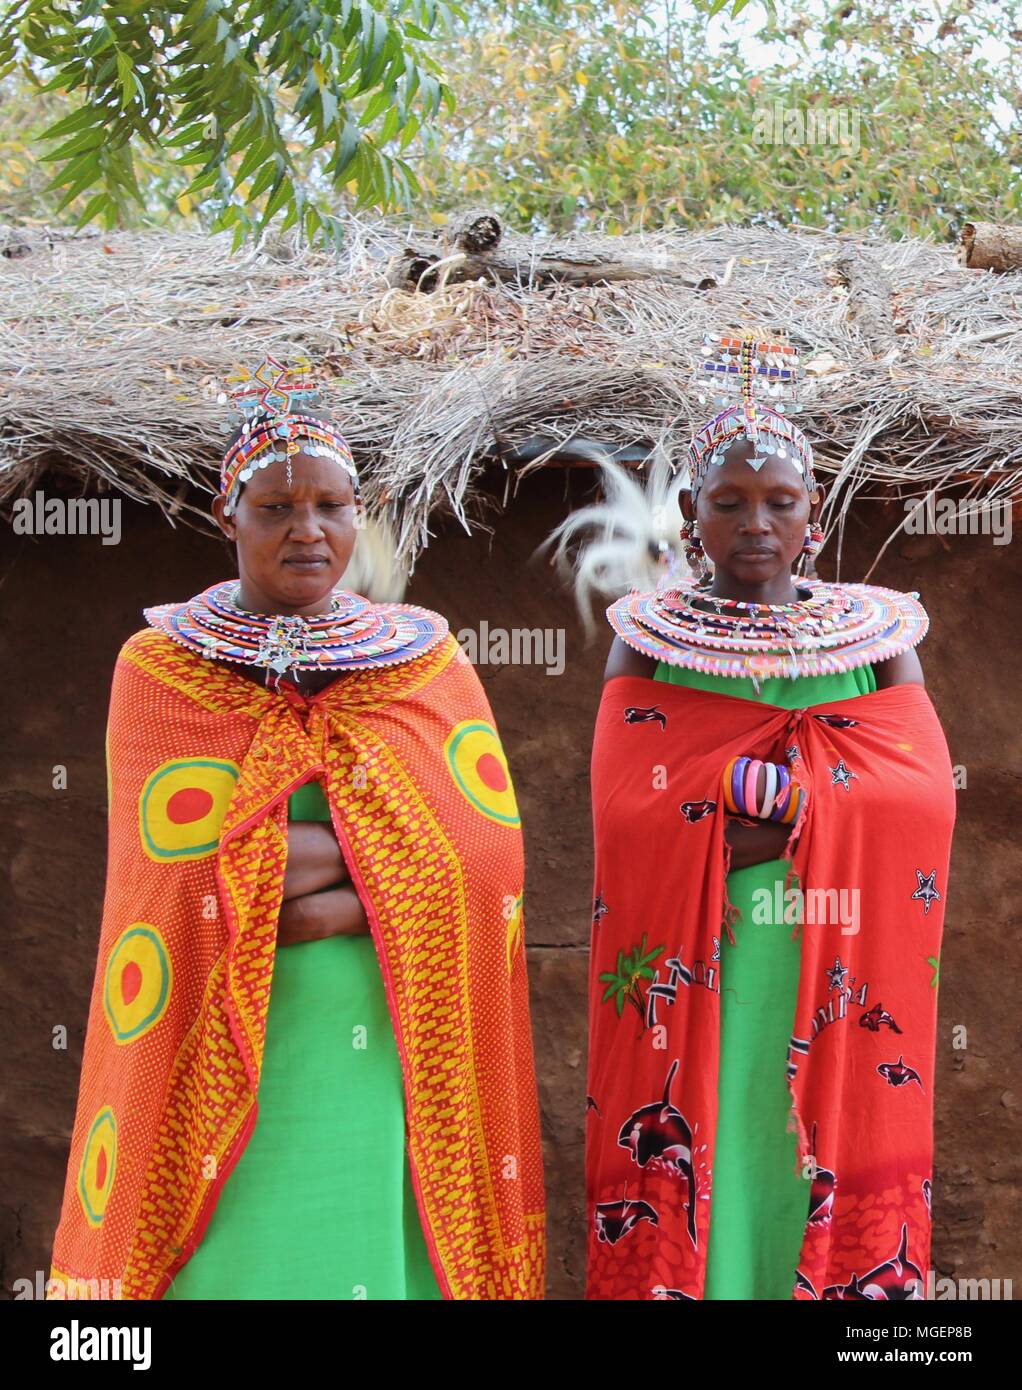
336 911
314 859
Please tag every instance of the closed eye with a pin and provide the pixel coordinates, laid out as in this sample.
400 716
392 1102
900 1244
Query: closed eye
285 506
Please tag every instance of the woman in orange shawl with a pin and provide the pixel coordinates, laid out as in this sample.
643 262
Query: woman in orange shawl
396 1152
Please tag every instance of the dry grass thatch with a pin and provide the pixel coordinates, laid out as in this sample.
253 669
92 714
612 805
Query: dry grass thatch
112 348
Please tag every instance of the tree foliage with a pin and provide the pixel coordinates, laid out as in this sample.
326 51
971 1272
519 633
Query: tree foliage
570 113
619 114
232 94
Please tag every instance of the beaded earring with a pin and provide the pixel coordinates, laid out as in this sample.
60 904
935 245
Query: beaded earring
811 546
813 543
695 555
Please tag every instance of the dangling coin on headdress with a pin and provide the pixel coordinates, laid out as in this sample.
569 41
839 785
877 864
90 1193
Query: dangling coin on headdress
274 430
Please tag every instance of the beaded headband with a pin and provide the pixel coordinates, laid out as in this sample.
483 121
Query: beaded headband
269 419
747 368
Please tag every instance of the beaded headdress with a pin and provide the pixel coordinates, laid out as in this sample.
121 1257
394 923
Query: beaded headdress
275 430
748 368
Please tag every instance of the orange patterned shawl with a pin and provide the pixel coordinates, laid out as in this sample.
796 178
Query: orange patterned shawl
200 763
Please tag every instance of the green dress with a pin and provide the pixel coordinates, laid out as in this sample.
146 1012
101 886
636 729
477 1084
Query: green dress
759 1204
320 1204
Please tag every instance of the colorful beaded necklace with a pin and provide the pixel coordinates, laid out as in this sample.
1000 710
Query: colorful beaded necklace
355 635
837 628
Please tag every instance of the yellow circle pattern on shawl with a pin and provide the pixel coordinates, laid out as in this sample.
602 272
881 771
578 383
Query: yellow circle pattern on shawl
182 807
99 1162
480 771
136 989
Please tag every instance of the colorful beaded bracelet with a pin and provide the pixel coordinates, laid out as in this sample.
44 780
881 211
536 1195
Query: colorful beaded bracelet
782 796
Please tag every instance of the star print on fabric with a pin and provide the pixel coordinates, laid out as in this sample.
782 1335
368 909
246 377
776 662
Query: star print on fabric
836 974
716 948
792 753
599 909
926 891
841 776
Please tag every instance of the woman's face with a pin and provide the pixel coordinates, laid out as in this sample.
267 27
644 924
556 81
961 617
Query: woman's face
752 522
293 543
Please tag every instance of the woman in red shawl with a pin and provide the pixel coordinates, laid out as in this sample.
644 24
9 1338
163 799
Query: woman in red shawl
773 808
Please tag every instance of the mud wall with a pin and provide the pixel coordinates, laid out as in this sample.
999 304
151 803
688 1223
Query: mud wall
69 602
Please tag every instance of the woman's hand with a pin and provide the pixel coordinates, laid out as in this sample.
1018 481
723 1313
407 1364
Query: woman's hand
755 844
314 858
336 912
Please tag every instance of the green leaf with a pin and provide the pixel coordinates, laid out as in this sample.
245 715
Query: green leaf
202 181
85 179
375 106
127 76
97 204
84 116
408 134
226 217
328 100
188 136
348 66
386 178
263 179
390 126
102 38
120 171
346 152
90 139
261 152
430 93
281 193
366 180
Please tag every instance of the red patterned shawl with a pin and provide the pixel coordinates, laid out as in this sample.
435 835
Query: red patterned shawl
860 1065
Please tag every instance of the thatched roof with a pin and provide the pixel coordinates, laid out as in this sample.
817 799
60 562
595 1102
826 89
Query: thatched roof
112 348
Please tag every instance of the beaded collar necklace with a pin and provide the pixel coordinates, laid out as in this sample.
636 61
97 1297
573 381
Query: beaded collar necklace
355 635
837 628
